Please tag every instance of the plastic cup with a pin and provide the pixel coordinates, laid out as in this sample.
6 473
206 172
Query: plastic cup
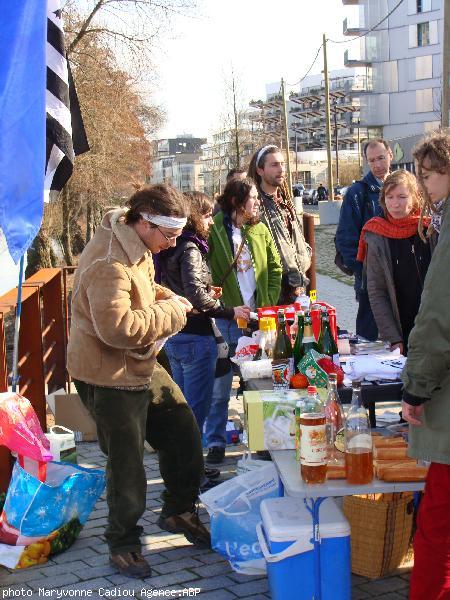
241 323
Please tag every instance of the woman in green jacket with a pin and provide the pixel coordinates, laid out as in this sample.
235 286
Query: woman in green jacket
253 280
426 379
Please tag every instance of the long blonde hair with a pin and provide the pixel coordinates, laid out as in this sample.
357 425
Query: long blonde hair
435 150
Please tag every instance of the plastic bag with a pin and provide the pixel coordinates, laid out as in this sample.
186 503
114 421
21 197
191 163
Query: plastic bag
44 518
310 367
234 509
246 349
20 430
247 463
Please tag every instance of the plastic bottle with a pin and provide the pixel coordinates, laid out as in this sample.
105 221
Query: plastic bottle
262 352
313 439
358 441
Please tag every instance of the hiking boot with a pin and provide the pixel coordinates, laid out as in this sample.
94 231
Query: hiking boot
189 524
215 456
212 473
131 564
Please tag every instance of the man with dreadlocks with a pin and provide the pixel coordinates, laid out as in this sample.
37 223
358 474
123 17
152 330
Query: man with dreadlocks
278 213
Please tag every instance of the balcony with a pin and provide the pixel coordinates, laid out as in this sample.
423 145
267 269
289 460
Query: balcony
350 2
355 62
351 31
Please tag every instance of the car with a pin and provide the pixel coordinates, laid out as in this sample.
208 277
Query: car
309 196
298 189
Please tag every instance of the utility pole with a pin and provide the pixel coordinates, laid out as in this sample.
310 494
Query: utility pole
336 139
327 120
359 148
296 159
286 139
445 65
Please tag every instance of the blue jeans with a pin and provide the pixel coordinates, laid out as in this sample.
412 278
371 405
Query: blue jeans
193 362
216 422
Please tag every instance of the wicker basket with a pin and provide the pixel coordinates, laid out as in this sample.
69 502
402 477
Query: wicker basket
381 532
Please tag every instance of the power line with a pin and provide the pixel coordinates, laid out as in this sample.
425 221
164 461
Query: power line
308 71
370 30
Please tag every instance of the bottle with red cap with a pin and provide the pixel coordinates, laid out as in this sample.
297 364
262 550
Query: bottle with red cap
313 439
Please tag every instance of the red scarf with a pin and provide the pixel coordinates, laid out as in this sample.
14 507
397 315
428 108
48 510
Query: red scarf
390 228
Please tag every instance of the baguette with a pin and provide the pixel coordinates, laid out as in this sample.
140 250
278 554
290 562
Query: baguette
390 453
405 473
389 442
336 472
380 469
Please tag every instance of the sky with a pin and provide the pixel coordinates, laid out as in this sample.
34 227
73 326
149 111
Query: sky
262 40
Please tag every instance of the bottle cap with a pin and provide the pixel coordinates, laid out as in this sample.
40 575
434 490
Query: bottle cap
312 389
332 376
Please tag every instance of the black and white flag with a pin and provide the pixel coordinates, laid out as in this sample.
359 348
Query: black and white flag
66 137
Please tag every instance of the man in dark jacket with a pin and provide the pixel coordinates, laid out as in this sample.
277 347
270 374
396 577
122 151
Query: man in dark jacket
361 204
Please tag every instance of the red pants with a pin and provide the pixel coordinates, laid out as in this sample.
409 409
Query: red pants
430 579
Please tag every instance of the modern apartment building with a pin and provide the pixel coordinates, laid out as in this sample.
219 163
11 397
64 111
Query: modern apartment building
177 161
402 62
306 112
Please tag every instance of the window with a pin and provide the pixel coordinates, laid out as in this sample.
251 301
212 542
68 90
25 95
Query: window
418 6
423 67
423 34
424 100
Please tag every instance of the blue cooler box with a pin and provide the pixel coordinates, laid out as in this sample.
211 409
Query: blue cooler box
286 539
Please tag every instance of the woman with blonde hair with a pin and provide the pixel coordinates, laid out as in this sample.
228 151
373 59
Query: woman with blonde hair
396 259
426 381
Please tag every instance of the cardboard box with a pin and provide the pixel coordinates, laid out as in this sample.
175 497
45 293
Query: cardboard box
70 412
270 418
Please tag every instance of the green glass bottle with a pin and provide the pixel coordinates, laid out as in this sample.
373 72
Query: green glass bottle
298 348
283 361
326 341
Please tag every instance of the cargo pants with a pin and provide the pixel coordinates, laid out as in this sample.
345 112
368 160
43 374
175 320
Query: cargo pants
126 418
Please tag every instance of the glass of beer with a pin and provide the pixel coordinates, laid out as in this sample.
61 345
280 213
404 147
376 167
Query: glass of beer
241 323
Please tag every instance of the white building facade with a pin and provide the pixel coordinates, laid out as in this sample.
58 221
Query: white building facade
402 59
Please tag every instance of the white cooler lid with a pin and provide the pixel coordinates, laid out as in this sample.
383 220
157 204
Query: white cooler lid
287 519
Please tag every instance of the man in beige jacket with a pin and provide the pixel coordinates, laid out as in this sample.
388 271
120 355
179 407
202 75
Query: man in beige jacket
120 319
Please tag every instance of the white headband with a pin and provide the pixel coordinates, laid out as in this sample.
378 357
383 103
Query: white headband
163 221
263 150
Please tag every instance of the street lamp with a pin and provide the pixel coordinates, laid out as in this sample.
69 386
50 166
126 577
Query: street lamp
336 139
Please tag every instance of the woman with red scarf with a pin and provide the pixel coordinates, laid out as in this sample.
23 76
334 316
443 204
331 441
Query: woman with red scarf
396 259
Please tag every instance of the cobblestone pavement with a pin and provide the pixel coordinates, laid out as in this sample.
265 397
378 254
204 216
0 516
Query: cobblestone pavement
176 564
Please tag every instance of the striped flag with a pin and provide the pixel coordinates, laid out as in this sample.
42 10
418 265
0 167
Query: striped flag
66 136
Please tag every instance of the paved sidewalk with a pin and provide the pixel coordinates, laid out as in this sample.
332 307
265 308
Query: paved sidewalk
84 570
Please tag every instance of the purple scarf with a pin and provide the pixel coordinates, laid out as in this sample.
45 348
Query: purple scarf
201 243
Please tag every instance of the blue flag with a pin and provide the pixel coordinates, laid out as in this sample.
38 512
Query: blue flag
23 26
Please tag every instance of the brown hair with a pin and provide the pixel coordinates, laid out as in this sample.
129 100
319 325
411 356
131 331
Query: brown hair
253 174
158 199
405 178
372 142
435 149
235 194
200 205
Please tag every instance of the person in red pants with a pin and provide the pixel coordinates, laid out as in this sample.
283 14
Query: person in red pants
426 378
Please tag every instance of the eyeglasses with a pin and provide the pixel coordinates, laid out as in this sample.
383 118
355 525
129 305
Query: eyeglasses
168 238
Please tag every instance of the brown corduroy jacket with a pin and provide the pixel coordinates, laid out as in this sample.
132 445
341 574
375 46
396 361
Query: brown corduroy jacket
118 311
